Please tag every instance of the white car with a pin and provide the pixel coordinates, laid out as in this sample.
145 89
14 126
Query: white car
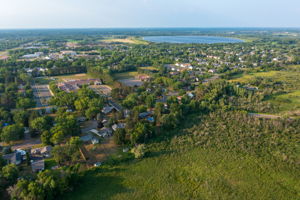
97 164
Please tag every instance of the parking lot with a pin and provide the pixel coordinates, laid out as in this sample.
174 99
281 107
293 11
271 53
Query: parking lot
101 89
41 94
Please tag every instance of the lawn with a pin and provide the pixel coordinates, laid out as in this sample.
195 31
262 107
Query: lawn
287 102
195 174
149 68
72 77
125 75
42 80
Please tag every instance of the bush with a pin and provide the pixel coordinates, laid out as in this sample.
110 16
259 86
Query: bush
139 151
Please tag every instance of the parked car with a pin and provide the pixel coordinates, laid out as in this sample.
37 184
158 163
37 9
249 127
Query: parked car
97 164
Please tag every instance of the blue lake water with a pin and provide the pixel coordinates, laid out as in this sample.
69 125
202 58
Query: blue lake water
191 39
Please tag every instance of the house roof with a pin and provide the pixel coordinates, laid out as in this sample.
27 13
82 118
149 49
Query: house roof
86 138
14 158
117 126
107 109
144 114
46 149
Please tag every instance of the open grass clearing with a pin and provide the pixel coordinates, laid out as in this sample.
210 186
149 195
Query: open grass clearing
72 77
287 102
125 75
129 40
195 174
148 68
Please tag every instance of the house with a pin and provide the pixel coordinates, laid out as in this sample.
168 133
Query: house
144 77
107 109
68 53
96 132
143 115
81 119
90 138
98 82
105 132
191 95
86 138
44 151
115 105
95 141
35 55
126 113
13 158
118 126
38 165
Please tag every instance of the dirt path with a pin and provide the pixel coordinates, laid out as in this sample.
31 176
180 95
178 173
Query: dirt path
265 116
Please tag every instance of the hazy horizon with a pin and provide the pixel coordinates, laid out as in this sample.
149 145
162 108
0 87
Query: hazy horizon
71 14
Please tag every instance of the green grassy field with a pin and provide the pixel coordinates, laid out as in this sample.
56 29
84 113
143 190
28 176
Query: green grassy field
125 75
195 174
287 102
72 76
42 80
149 68
129 40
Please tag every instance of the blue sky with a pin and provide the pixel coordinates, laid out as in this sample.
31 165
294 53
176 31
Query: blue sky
148 13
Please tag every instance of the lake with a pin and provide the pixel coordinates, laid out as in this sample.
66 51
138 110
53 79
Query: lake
191 39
